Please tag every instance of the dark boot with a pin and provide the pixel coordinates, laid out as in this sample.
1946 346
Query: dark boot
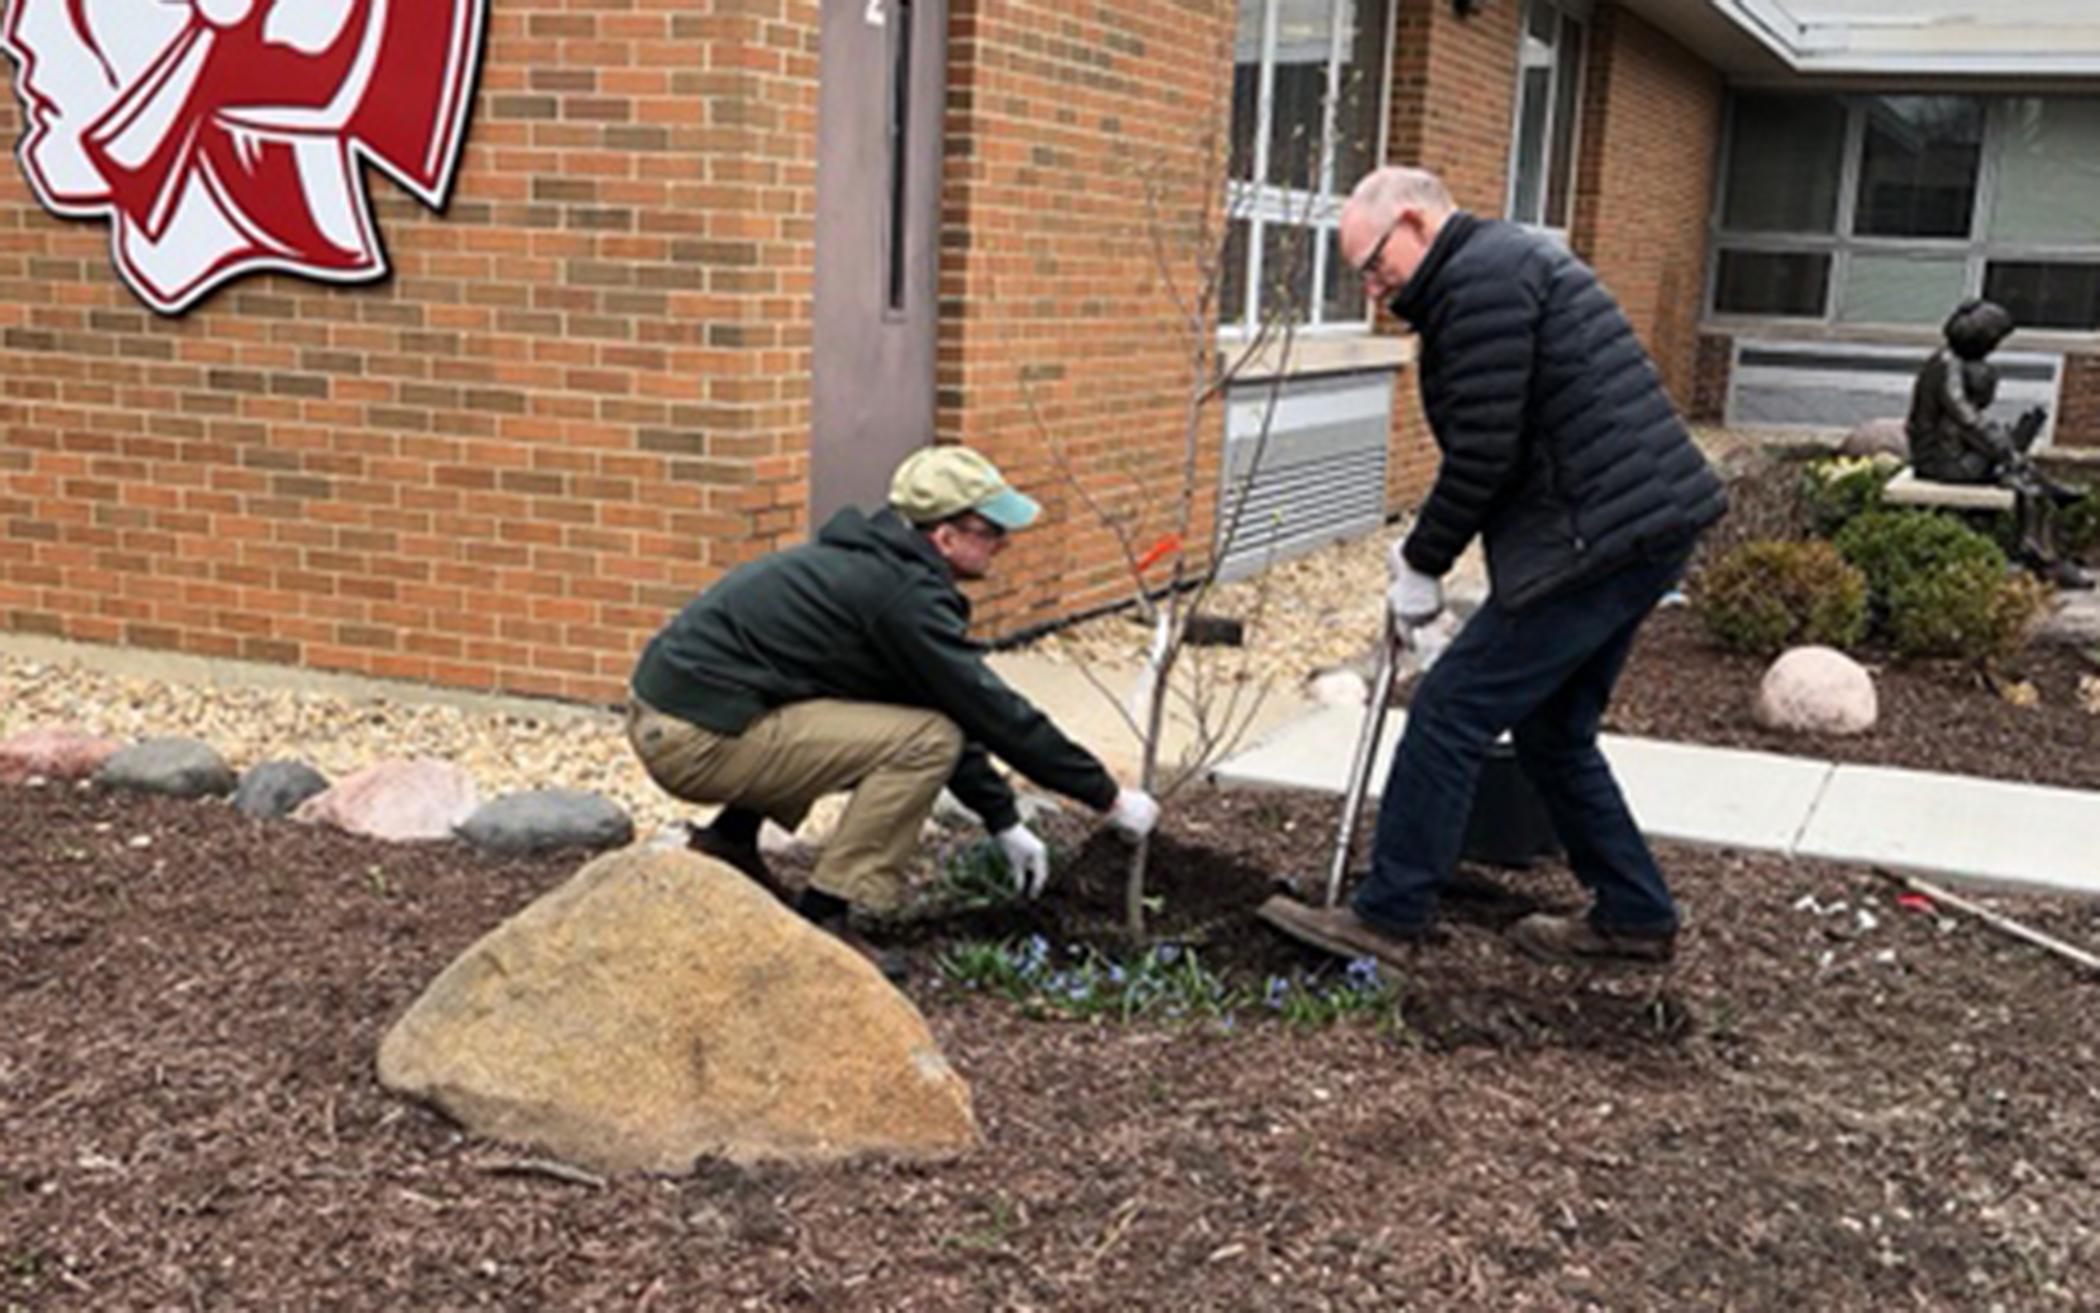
832 915
1575 939
735 843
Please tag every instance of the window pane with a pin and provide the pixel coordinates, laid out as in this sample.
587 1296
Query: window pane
1560 167
1535 93
2042 295
1539 22
1771 283
1304 50
1918 166
1286 273
1232 278
1246 89
1356 111
1785 159
1342 292
1894 289
2049 172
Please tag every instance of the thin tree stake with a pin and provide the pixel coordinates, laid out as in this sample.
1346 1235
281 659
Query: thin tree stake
1996 920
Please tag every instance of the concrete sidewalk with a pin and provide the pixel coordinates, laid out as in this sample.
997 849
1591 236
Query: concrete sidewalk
1974 832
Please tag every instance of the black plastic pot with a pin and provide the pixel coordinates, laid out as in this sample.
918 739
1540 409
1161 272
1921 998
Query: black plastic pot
1508 825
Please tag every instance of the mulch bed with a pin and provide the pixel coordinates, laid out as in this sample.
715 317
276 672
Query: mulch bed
1807 1111
1934 715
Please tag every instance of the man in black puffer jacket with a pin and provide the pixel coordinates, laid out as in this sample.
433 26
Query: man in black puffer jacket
1562 453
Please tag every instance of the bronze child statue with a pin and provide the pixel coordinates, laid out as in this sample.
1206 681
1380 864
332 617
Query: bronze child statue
1952 442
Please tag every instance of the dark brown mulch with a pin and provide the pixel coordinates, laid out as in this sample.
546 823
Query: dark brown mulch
1936 716
1817 1112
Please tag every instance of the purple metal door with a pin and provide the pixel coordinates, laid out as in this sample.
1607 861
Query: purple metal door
882 83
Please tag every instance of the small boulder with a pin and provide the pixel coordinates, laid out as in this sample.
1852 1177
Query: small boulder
272 789
542 820
1816 690
1877 437
54 753
419 799
658 1009
177 767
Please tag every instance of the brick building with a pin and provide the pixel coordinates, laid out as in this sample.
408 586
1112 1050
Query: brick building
700 270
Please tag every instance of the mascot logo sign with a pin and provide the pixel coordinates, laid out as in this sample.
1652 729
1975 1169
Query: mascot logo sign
220 137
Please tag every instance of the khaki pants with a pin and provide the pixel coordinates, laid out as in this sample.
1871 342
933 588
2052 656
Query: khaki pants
894 759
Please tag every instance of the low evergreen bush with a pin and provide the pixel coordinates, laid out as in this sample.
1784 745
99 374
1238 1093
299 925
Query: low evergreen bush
1764 597
1965 609
1839 489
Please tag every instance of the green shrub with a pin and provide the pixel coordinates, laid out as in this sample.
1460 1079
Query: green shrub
1839 489
2078 526
1896 548
1968 609
1764 597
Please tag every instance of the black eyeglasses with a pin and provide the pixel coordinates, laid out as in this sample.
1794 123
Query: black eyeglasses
1369 265
970 522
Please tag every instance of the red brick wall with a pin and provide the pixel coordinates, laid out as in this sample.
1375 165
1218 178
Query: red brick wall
582 393
1073 137
2078 404
1650 133
1713 363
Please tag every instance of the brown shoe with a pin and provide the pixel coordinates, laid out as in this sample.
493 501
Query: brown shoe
743 856
1552 938
1340 931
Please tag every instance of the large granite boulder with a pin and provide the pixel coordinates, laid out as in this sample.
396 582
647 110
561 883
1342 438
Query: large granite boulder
542 820
1816 690
54 753
421 799
659 1008
176 767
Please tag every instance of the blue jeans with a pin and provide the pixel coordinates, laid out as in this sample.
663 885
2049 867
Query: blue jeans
1544 674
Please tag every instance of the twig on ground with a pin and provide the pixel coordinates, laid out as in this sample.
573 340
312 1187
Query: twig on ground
1996 920
541 1167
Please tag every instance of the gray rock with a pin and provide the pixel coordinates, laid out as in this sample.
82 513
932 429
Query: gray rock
178 767
1877 437
2076 620
1816 690
546 819
270 790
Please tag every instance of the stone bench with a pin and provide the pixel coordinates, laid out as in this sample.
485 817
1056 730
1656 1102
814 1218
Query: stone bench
1907 489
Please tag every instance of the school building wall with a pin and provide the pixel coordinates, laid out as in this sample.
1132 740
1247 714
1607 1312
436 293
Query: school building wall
581 393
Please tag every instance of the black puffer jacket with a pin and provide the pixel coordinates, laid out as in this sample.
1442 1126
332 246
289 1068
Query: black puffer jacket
1559 445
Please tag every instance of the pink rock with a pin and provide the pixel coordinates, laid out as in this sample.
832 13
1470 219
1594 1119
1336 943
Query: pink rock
420 799
54 753
1816 690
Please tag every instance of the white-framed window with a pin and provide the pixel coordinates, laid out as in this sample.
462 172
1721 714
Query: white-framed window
1548 112
1308 120
1890 209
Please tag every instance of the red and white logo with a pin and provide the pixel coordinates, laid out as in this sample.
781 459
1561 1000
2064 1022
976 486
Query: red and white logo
220 137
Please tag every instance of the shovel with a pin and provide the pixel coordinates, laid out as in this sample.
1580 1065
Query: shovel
1397 637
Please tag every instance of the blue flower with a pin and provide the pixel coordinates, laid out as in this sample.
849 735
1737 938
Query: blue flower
1363 972
1169 954
1116 974
1273 996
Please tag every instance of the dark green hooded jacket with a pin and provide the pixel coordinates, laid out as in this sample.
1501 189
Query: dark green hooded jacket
869 612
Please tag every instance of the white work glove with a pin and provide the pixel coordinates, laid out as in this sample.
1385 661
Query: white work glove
1414 598
1026 858
1135 813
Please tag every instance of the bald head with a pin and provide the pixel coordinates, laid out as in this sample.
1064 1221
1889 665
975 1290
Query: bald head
1389 223
1384 192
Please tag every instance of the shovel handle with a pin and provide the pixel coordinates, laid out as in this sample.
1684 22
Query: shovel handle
1396 637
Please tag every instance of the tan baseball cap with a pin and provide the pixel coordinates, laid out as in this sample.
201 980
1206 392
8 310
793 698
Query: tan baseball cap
934 483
